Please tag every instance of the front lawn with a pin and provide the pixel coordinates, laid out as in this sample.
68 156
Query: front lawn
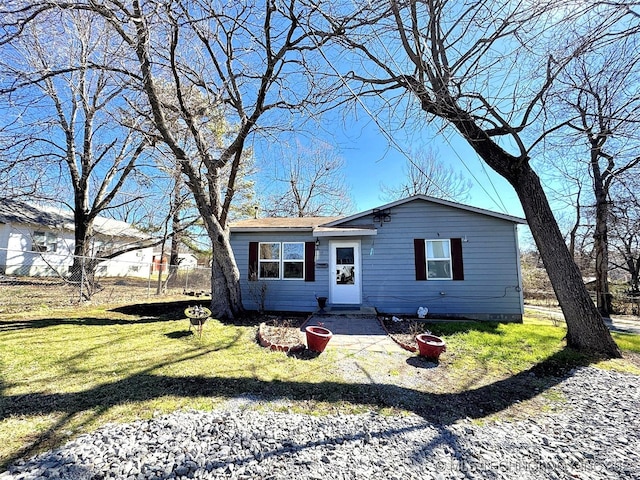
72 371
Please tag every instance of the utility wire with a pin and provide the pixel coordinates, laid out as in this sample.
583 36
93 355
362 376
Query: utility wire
396 145
501 203
382 129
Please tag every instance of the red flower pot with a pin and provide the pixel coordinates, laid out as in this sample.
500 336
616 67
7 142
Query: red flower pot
317 338
430 346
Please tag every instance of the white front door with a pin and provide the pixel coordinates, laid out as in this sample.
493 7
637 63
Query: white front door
345 274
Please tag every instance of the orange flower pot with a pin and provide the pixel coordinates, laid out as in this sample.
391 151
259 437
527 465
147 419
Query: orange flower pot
317 338
430 346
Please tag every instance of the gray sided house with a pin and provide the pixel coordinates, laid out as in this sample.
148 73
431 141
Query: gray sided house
456 260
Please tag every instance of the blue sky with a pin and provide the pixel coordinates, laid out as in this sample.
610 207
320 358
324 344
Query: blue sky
371 160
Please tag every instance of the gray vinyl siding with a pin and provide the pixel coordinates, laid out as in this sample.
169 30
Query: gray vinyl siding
281 295
491 285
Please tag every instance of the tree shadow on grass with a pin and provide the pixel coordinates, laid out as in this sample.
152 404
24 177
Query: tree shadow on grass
10 325
144 313
160 310
438 408
179 334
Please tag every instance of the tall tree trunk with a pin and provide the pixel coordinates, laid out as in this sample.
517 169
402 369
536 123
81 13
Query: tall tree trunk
633 267
174 254
226 299
586 330
176 233
601 247
600 236
80 269
573 234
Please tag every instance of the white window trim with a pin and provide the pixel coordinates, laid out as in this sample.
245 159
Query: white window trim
281 261
50 238
449 258
284 260
261 261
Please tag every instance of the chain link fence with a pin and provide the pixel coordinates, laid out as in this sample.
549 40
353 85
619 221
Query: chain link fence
623 304
42 280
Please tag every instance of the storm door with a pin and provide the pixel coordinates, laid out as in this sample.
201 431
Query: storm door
345 274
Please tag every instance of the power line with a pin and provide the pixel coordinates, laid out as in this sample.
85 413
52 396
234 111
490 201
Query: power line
398 147
382 129
501 204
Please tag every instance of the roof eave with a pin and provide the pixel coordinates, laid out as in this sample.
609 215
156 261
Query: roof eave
344 232
270 229
427 198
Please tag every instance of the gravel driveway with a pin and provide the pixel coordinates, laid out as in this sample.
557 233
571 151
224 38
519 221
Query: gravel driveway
596 435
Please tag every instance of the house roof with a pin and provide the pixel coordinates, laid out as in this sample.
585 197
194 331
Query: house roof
14 211
427 198
323 226
280 223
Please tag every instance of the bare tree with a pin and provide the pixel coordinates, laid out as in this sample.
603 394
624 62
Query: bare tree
478 68
425 174
599 93
625 238
66 137
307 183
246 58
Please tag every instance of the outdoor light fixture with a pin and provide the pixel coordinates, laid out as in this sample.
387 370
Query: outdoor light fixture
381 216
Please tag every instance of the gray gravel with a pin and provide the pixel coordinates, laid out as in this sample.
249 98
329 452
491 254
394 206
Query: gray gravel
596 436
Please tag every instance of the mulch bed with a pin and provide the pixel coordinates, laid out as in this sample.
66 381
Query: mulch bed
282 332
404 332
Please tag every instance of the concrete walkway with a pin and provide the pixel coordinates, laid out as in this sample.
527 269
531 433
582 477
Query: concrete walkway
355 331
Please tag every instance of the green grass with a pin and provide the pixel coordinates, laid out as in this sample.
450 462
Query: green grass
69 372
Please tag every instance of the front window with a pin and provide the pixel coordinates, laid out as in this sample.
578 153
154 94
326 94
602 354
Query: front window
44 242
281 260
293 260
438 259
269 260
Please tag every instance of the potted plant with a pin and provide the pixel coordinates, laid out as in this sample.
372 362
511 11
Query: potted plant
317 337
430 346
197 316
322 302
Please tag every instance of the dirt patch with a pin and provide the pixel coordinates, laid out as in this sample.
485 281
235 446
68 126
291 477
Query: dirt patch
404 331
282 333
633 358
19 295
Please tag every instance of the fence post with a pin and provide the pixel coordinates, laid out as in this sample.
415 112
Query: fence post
81 277
149 280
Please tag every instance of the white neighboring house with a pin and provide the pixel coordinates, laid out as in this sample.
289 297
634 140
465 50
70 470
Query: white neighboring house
36 241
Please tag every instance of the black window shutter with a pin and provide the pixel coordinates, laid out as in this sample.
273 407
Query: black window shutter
456 259
420 258
309 261
253 261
